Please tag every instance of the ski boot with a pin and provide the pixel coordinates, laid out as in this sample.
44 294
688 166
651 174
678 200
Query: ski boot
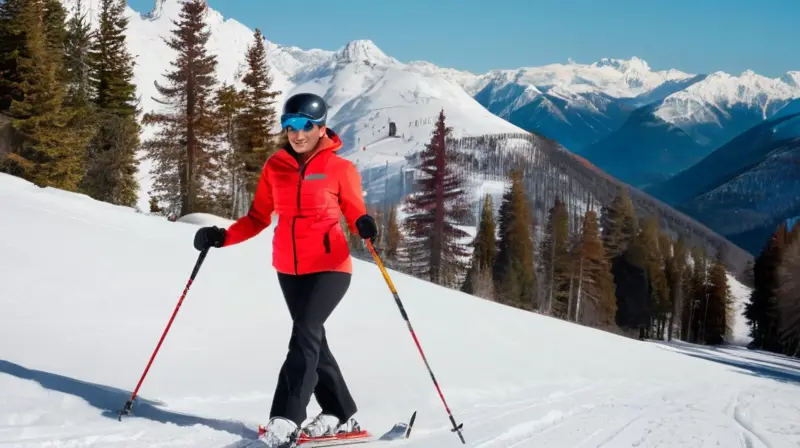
329 425
279 433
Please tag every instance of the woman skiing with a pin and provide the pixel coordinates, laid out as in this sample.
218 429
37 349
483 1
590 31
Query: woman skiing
310 188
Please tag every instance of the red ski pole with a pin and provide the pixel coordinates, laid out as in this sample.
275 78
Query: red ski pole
456 427
129 404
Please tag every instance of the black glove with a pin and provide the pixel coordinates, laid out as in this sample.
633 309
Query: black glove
209 237
367 229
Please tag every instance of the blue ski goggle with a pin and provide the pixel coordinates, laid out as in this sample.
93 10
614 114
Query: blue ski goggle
296 122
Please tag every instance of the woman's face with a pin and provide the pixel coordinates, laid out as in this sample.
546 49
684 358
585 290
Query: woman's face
303 141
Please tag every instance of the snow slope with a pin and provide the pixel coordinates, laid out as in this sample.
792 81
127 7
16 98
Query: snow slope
87 289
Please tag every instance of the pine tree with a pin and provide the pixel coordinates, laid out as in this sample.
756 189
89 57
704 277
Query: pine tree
619 224
13 50
185 151
658 303
479 279
112 168
698 295
49 149
689 283
438 207
513 270
676 264
595 281
633 285
256 141
717 303
230 202
761 312
77 65
556 260
788 297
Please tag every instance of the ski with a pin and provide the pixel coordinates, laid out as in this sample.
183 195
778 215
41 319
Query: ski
400 431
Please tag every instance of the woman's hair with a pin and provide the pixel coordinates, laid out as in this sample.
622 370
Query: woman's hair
283 139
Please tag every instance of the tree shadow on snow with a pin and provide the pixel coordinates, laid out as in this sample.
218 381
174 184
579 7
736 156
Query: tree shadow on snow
110 400
764 369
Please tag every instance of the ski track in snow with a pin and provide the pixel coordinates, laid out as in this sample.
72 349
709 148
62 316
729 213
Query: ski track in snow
86 290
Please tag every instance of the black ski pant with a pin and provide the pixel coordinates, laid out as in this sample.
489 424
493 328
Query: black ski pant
310 368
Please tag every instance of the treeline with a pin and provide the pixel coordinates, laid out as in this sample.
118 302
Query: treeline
609 270
773 311
76 118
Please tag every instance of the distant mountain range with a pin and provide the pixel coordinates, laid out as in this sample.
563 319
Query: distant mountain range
747 187
640 125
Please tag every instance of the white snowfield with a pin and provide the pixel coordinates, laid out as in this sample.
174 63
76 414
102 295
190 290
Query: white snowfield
87 288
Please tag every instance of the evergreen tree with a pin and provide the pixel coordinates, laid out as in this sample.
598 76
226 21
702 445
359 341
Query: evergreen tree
479 279
77 65
717 304
658 303
788 297
619 224
513 270
112 168
13 50
256 141
556 260
48 148
595 281
761 312
676 264
185 151
438 207
698 295
230 202
633 284
688 304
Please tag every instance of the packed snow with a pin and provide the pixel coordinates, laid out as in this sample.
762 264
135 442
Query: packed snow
87 289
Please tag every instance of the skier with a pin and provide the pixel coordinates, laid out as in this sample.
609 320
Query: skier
310 188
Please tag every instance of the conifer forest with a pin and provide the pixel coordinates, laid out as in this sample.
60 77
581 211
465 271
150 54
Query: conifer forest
564 239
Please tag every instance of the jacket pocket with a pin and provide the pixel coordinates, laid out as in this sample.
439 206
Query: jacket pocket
326 241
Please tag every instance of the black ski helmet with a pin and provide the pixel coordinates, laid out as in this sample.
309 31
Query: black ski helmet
302 108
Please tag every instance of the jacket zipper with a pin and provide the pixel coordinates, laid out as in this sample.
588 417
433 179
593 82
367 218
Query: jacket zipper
302 171
294 219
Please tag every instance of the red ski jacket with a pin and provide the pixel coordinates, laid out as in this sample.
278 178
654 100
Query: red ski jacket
309 200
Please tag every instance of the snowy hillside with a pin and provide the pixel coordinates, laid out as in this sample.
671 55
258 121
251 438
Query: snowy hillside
73 347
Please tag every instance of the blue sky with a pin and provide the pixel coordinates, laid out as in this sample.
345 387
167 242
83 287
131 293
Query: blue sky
697 36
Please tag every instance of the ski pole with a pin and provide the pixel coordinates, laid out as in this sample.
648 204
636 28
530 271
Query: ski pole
456 427
129 404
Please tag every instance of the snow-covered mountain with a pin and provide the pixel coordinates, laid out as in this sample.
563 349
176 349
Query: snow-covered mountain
72 349
575 104
365 88
668 136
